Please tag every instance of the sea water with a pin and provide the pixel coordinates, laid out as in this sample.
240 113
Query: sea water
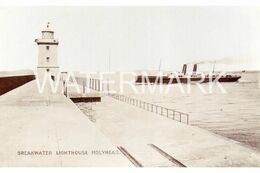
234 113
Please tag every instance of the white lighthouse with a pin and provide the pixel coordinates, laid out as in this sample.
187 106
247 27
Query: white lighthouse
47 55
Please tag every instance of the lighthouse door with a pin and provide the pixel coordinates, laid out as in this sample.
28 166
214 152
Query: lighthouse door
53 77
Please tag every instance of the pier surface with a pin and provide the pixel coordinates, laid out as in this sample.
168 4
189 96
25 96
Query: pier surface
121 135
30 122
154 140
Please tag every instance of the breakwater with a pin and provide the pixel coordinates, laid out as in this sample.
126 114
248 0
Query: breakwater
11 82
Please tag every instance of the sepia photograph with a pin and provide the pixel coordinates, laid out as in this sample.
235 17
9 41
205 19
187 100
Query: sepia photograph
130 86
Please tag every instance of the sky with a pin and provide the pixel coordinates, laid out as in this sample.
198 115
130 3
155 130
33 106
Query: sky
136 37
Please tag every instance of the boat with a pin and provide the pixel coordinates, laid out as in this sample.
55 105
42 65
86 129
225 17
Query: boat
185 77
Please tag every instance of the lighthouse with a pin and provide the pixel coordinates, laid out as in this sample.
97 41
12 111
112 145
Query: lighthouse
47 54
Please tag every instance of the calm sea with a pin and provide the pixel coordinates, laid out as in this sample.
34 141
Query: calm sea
234 114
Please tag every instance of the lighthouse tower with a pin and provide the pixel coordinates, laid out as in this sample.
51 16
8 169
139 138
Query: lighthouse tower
47 55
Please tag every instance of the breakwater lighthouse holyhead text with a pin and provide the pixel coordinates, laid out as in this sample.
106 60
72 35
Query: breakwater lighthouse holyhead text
47 54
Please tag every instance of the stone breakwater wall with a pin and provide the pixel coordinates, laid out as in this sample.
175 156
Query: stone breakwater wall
11 82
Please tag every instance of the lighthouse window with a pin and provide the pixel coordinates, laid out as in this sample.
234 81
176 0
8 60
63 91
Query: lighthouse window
47 47
48 59
47 70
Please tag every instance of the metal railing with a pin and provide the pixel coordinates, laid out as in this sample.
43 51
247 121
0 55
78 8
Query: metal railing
97 84
92 83
169 113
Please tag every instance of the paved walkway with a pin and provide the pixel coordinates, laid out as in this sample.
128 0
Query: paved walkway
134 128
30 121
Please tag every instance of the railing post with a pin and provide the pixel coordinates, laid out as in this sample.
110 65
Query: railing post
84 83
95 84
98 85
180 117
167 112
